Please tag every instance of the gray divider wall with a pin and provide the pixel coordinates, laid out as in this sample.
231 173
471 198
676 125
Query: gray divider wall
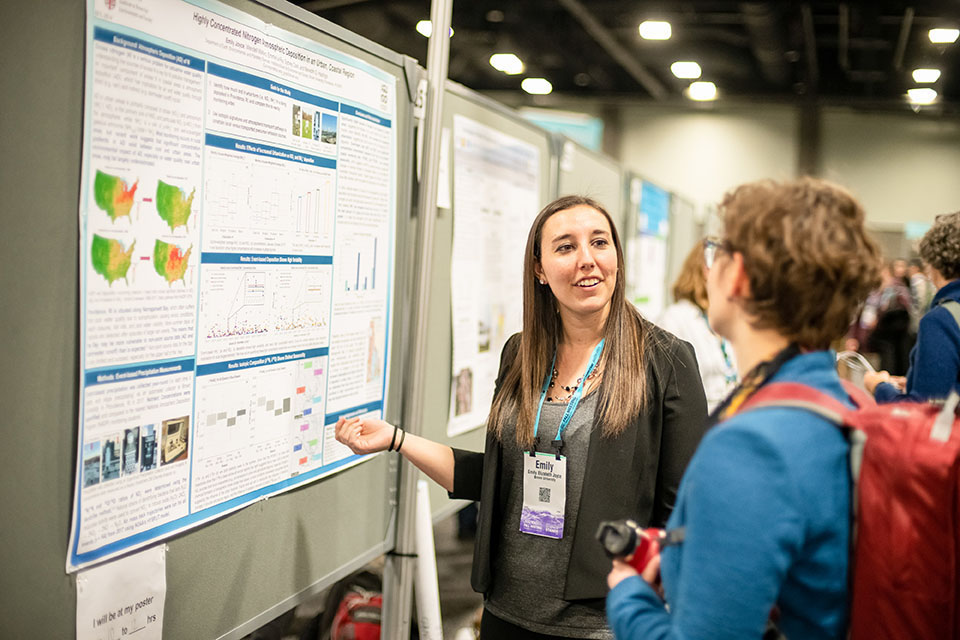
588 173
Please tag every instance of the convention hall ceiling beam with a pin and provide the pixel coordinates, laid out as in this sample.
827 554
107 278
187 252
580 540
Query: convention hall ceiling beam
810 43
616 50
903 39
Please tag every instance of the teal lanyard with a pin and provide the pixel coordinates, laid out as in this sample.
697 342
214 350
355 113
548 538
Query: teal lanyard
729 374
574 401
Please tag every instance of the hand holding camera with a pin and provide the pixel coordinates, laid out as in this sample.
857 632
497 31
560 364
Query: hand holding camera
634 550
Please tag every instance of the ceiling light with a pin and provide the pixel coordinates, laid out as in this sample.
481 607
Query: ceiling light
688 70
921 96
944 36
425 28
926 75
655 30
702 91
536 86
507 63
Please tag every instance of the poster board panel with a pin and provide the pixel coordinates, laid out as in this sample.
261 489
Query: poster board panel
588 173
225 578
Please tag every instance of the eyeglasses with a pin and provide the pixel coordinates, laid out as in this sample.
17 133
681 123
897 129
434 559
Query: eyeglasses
710 246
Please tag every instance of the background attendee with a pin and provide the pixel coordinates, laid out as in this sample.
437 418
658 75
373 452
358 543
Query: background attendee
891 338
590 379
686 318
765 502
935 360
921 291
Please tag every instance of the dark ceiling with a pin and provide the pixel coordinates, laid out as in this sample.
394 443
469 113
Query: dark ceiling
856 53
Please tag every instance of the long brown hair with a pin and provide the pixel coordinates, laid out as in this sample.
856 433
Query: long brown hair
623 386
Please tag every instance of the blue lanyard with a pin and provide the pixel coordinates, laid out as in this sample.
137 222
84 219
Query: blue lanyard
729 374
575 400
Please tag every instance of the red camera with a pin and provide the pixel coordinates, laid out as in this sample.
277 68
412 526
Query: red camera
625 539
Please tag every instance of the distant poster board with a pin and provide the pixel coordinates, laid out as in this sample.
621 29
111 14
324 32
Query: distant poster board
496 193
647 249
237 213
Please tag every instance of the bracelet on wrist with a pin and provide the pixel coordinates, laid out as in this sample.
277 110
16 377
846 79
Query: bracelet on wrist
403 436
393 439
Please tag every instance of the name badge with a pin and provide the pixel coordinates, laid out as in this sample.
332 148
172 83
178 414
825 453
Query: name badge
544 494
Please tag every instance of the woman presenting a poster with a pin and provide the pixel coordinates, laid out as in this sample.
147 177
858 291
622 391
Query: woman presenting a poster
595 415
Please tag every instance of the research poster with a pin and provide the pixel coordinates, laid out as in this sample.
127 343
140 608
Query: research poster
496 197
237 214
647 250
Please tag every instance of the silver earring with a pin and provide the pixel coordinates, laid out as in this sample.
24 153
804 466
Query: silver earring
542 281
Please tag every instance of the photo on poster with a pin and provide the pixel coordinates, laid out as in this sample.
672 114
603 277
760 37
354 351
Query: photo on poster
483 332
296 120
328 133
110 467
91 463
148 448
174 440
464 391
307 126
131 450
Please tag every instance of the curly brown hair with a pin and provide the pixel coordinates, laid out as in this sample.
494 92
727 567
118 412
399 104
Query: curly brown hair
940 246
809 260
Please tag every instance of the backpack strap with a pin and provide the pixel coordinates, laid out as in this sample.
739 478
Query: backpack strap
801 396
954 308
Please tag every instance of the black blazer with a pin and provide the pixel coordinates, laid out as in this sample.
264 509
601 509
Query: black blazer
634 475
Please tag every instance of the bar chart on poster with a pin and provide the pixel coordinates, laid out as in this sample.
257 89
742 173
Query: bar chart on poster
237 239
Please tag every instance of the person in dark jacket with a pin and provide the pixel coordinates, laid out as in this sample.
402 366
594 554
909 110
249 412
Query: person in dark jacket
935 359
595 415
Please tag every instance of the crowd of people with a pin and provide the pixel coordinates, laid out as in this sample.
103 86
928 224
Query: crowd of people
601 414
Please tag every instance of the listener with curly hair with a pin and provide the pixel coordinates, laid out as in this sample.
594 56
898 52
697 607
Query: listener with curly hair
935 359
764 504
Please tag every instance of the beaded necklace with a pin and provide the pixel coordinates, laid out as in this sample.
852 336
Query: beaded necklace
570 390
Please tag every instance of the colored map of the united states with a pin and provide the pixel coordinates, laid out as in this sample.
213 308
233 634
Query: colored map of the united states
170 261
109 258
112 194
173 204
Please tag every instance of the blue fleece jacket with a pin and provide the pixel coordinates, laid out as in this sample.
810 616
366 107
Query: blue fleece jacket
766 505
935 358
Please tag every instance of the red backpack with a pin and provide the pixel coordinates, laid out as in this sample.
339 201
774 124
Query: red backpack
358 616
905 464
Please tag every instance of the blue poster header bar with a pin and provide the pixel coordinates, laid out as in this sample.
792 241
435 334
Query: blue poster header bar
136 372
366 115
269 85
260 361
269 151
148 48
354 411
251 258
